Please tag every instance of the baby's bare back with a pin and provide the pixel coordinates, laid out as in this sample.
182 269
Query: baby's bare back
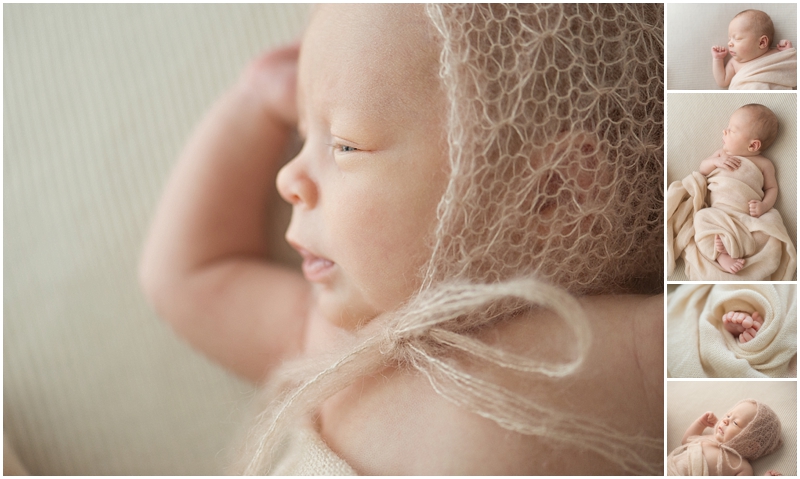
395 423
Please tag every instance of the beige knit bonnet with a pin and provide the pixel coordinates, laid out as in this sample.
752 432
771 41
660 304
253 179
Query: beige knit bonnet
761 436
555 135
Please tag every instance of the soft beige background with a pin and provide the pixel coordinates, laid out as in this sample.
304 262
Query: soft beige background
686 401
98 100
692 29
694 132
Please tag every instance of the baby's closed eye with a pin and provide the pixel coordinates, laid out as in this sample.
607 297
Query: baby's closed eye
338 147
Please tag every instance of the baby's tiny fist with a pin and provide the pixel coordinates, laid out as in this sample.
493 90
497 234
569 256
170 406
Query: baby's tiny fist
719 52
784 45
756 208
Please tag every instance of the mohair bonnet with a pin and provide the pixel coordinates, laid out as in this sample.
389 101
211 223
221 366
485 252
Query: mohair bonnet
555 135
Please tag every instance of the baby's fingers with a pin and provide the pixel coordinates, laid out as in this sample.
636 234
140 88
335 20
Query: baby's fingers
711 419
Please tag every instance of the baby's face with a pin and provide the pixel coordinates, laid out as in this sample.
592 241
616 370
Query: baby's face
744 43
365 186
738 137
734 421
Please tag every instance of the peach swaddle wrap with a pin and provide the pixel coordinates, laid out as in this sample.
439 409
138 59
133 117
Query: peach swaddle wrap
688 460
777 71
699 208
698 345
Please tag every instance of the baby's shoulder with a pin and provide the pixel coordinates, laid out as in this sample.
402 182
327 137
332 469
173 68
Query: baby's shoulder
379 423
763 163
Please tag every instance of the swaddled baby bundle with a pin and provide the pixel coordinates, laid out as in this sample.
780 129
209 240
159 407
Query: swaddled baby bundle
699 208
698 345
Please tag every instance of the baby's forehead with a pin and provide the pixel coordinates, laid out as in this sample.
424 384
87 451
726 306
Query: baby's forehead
743 21
744 408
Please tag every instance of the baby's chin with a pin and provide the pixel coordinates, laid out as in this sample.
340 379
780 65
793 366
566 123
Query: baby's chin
340 309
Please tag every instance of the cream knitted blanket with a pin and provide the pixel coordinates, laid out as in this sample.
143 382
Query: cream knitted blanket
687 460
698 345
699 208
777 71
308 455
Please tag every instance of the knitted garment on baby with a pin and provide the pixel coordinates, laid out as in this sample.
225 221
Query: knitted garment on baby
688 460
555 147
761 437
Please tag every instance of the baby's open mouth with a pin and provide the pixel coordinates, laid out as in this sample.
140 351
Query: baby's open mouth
315 268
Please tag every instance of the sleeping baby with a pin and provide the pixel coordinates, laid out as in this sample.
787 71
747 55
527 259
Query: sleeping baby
750 430
751 130
721 219
754 65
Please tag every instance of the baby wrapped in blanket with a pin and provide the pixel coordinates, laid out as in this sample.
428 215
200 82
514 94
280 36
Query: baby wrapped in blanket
721 219
754 65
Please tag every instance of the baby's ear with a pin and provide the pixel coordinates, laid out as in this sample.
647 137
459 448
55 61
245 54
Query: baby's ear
763 42
755 145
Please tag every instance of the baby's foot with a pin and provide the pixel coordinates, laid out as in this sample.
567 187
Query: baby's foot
719 244
729 264
742 325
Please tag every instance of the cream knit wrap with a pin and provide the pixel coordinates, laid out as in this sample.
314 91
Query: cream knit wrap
699 346
555 137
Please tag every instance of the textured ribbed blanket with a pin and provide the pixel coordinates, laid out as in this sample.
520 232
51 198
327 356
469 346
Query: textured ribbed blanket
698 345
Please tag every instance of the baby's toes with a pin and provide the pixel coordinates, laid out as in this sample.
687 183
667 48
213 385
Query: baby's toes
757 320
747 335
739 318
747 322
737 266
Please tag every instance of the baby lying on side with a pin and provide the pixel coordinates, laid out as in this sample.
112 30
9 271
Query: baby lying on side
748 431
751 130
750 37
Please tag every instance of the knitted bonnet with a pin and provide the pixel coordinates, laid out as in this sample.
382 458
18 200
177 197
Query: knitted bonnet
761 436
555 146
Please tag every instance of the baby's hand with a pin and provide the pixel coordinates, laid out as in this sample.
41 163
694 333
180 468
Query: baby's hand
719 52
784 45
772 472
756 208
708 419
729 163
273 78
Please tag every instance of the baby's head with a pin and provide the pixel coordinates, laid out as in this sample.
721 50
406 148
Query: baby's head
751 130
477 143
751 428
750 35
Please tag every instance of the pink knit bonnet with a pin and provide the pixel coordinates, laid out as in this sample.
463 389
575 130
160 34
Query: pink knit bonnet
761 436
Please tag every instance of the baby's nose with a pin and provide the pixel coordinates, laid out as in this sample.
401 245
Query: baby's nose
295 185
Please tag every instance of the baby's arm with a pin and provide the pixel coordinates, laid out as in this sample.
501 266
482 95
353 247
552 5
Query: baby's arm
758 208
722 73
708 419
204 266
783 45
719 160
